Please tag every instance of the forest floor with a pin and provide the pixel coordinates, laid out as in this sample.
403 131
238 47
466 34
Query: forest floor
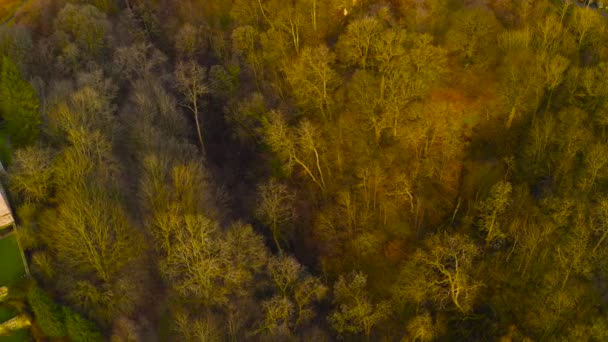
603 11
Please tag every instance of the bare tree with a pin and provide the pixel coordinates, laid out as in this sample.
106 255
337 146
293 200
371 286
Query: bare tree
275 208
492 209
442 273
295 146
190 82
355 311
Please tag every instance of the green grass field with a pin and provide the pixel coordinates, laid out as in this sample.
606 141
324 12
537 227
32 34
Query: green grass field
6 313
11 263
18 336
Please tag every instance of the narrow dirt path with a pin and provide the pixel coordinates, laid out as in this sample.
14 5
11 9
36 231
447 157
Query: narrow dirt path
9 18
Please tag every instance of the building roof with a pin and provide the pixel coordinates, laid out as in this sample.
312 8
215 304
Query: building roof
6 217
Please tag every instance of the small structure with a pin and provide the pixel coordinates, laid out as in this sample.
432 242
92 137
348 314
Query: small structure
3 293
6 217
14 324
13 266
8 232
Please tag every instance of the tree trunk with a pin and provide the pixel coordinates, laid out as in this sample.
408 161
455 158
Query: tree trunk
276 240
199 132
604 235
314 15
264 14
511 117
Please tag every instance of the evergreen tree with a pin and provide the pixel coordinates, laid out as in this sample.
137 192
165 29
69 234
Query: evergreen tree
79 329
48 315
18 106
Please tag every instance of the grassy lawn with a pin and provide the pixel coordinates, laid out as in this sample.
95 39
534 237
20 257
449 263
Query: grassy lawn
18 336
6 313
11 264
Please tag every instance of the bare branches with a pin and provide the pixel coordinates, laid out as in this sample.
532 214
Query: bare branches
190 82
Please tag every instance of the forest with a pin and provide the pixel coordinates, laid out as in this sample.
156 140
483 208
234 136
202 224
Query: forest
308 170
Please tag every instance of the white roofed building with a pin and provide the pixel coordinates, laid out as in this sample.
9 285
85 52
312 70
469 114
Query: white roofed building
6 216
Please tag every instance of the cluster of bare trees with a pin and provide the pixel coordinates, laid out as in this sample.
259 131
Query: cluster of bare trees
271 170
